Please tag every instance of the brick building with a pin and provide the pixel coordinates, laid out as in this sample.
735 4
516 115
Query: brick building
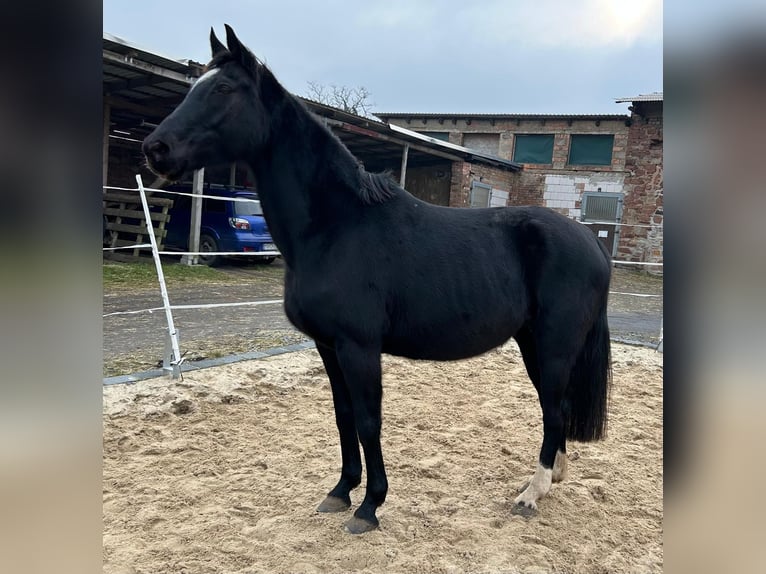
602 169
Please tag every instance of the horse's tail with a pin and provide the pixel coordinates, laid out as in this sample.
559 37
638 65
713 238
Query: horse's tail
588 391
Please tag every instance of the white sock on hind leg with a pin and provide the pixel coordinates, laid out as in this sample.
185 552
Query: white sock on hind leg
538 487
560 466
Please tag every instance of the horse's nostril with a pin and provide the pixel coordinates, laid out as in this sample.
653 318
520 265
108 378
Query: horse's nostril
156 148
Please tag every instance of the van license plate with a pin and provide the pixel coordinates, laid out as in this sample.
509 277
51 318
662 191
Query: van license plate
269 247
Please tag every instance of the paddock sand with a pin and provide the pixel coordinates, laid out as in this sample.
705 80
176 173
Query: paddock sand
221 473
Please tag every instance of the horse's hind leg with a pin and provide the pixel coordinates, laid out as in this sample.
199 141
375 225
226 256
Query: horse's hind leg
528 347
555 359
351 472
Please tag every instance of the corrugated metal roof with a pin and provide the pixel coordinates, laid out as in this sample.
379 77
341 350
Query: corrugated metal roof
121 46
410 115
653 97
142 88
398 135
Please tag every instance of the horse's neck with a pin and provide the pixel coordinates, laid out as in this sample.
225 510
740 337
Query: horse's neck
299 178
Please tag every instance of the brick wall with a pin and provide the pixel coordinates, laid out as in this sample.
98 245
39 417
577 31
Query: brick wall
635 170
534 185
481 132
485 143
464 173
460 184
643 186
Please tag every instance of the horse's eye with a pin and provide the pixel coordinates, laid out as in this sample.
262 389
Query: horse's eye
223 88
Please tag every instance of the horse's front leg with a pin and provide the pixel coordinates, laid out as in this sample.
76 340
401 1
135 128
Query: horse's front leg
360 365
338 499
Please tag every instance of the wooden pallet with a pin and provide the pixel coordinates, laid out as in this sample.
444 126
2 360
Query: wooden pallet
126 222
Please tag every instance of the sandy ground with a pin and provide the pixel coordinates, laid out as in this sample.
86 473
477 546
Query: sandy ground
222 473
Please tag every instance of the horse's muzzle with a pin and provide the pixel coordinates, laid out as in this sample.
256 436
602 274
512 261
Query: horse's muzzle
159 159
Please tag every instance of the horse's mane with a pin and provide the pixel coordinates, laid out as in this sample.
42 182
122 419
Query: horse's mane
372 187
376 187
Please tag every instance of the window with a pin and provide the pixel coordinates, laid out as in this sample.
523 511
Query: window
483 195
484 143
533 148
591 149
480 194
213 205
444 136
248 208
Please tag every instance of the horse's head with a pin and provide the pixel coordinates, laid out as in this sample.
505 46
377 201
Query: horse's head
224 117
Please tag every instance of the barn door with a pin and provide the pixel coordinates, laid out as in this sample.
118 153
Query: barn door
603 211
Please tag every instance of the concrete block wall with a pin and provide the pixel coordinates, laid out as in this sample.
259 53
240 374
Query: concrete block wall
563 192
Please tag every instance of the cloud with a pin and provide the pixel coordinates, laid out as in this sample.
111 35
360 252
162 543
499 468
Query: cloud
562 24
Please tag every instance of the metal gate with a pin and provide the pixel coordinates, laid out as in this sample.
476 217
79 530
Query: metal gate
603 211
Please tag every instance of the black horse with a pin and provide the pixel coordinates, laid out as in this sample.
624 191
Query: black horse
371 269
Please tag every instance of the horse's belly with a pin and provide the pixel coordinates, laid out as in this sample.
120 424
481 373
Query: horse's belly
456 342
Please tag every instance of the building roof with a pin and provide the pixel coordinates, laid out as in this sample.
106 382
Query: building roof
140 85
385 141
453 116
653 97
142 88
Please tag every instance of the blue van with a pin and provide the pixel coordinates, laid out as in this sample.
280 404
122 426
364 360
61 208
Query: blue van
228 226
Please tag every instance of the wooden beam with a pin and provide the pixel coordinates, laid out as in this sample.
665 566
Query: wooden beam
403 171
105 145
161 110
132 83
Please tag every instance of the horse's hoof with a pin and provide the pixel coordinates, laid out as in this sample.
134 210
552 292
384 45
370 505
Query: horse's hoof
334 504
521 509
356 525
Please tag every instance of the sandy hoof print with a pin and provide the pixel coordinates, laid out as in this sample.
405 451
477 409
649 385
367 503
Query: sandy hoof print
521 509
356 525
334 504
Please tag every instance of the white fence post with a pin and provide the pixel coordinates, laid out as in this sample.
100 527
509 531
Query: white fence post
196 217
171 362
659 345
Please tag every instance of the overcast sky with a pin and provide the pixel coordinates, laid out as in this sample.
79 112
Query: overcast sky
458 56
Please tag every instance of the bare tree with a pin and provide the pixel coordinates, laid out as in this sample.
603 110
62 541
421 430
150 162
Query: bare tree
353 100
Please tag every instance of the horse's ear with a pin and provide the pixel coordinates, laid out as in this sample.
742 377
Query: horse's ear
240 53
235 46
215 44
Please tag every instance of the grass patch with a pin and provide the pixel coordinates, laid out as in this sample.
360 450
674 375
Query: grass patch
143 274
